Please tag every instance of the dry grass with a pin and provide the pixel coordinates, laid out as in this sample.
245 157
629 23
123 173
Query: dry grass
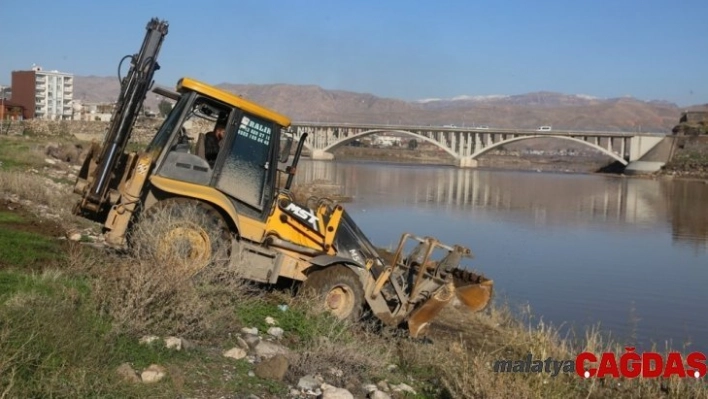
463 359
156 292
41 191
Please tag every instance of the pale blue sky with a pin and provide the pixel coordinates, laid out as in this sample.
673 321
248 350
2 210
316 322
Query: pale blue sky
648 49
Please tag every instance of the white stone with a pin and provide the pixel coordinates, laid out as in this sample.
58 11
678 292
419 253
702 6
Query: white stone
402 387
152 374
332 392
173 343
251 330
308 382
277 332
369 388
379 395
270 321
267 349
235 353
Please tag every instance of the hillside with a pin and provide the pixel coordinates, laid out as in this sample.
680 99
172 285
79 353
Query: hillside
313 103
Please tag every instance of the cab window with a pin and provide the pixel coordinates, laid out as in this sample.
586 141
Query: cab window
246 169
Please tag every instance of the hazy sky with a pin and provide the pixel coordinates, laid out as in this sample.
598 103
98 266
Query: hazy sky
413 49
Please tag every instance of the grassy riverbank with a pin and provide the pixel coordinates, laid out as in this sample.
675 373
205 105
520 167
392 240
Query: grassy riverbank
72 314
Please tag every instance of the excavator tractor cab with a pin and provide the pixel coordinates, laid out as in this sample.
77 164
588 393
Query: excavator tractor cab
245 167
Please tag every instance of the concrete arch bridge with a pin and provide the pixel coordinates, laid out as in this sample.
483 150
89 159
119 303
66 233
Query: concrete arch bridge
465 145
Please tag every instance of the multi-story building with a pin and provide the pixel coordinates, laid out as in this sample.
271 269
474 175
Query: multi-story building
93 111
44 94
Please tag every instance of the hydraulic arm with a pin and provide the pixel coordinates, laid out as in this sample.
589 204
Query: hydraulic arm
134 87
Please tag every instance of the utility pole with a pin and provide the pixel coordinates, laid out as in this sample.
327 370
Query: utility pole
2 107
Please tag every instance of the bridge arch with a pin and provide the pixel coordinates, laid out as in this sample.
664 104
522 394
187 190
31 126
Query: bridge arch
501 143
374 131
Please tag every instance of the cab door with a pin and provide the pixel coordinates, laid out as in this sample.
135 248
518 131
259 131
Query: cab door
244 168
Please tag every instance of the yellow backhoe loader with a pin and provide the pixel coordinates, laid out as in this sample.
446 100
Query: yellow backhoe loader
265 233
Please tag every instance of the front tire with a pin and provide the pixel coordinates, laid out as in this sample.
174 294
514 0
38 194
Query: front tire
186 234
338 290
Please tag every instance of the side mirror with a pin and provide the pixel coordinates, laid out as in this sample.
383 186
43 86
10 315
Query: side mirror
286 144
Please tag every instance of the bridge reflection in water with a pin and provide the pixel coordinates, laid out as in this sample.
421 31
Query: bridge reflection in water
539 198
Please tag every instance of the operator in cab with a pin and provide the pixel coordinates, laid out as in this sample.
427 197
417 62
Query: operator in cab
213 140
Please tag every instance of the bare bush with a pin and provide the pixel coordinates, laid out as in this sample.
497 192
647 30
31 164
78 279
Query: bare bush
42 192
169 283
188 235
340 360
462 359
26 186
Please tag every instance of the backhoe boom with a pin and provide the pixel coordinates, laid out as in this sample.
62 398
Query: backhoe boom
134 88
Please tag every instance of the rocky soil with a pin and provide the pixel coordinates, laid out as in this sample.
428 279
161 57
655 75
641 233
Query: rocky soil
690 158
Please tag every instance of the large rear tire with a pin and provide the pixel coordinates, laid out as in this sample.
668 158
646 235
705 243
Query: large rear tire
338 290
186 234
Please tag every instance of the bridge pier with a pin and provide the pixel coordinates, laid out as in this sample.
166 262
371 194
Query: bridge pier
321 155
467 163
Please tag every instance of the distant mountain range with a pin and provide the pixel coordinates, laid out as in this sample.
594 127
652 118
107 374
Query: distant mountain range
524 111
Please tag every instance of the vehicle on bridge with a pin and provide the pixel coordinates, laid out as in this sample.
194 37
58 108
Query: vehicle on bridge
544 129
235 216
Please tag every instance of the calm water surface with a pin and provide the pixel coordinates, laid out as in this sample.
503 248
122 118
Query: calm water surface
629 254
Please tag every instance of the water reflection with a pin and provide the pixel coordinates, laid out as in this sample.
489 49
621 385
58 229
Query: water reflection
688 210
580 249
542 199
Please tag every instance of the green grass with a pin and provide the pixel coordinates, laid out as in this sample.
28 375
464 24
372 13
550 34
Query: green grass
63 180
53 339
10 217
15 282
21 249
16 153
295 321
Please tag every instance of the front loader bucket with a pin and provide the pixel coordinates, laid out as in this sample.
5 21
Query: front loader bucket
472 290
420 317
425 284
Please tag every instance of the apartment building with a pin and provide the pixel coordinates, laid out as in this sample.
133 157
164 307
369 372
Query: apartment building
44 94
93 111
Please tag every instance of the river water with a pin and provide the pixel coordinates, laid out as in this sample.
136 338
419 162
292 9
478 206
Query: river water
628 254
